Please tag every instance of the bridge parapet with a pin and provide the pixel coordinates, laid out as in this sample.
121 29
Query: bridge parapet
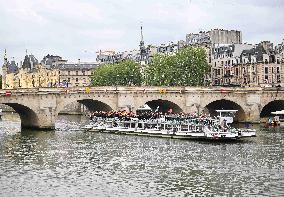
144 89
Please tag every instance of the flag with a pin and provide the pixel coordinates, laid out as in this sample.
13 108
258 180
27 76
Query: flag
157 109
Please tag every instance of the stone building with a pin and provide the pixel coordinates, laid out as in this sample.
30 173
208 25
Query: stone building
223 58
215 36
76 74
107 57
247 65
279 49
39 77
51 61
31 74
261 66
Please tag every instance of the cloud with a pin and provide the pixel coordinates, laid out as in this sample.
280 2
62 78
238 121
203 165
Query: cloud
77 28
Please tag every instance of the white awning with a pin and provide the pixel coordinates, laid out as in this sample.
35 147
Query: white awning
226 110
144 107
278 112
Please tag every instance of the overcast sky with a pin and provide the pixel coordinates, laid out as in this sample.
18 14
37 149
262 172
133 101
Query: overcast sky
77 29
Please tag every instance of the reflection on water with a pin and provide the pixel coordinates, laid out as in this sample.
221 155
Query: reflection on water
69 162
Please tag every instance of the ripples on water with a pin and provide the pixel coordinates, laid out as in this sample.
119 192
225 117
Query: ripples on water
69 162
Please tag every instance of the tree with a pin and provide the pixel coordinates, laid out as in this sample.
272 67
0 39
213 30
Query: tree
188 67
124 73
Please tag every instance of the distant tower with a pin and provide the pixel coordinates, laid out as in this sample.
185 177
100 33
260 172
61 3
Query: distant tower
143 51
4 70
27 62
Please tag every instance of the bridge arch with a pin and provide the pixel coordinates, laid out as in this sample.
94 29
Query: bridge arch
91 103
227 105
275 105
95 105
29 118
163 105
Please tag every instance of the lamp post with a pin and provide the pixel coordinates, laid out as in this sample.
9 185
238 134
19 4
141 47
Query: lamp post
116 83
131 80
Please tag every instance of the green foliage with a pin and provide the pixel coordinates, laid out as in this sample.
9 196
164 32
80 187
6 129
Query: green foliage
124 73
188 67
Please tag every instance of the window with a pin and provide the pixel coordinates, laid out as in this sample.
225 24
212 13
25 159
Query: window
278 70
76 79
266 70
68 72
83 72
68 79
76 72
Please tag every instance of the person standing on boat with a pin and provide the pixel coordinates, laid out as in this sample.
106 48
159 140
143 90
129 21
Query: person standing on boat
224 124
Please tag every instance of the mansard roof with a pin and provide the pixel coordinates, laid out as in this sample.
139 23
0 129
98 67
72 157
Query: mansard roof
12 67
81 66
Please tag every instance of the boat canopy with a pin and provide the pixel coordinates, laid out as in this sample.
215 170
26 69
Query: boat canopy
226 110
145 108
278 112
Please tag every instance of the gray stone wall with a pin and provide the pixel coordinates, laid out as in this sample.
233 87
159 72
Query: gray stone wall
74 108
6 108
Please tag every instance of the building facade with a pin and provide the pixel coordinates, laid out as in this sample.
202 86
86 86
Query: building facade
215 36
223 58
76 74
39 77
247 65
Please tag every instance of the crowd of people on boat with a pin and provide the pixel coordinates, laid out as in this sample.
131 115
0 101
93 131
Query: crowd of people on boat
194 119
148 115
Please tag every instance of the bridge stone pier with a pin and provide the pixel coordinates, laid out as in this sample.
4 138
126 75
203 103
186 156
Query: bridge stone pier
39 108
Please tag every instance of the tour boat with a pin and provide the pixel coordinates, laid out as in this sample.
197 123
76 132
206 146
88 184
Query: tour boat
205 128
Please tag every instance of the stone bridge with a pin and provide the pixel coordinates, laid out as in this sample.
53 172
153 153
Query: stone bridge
39 108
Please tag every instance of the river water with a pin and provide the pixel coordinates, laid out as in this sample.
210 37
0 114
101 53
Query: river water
70 162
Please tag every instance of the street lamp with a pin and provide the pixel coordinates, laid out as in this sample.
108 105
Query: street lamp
131 80
116 83
117 80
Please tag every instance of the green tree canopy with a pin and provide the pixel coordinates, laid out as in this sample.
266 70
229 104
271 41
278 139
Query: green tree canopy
124 73
188 67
